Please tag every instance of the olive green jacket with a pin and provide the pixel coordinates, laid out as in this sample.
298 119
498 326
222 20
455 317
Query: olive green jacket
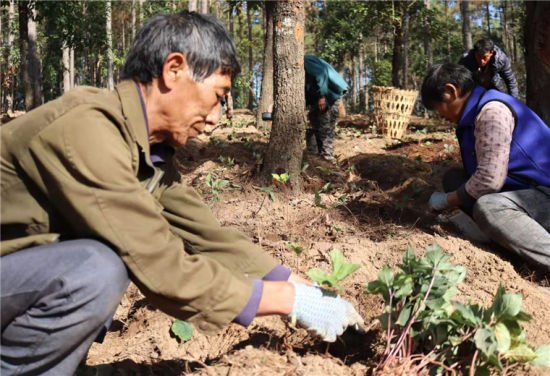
79 167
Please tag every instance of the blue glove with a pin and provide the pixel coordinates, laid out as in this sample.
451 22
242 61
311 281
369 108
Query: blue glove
323 312
438 201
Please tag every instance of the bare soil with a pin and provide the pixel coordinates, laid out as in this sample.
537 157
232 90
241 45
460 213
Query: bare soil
388 184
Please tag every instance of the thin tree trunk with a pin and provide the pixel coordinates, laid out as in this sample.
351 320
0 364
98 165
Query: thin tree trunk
428 47
488 16
504 21
29 56
406 29
537 57
353 82
108 28
250 57
203 6
285 150
466 31
448 32
193 6
133 20
266 95
397 51
10 73
71 66
66 62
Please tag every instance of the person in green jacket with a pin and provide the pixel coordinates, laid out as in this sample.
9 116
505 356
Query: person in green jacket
324 88
89 201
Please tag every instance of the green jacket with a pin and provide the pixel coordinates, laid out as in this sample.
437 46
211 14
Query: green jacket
322 80
79 167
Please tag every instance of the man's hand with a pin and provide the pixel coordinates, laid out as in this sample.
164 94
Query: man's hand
323 312
438 201
322 104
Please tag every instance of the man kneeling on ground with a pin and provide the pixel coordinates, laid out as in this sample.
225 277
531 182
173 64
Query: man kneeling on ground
505 149
87 206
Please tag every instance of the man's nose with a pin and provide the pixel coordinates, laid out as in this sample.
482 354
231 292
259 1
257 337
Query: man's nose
214 115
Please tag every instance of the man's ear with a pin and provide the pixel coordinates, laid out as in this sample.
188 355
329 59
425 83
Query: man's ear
451 93
174 68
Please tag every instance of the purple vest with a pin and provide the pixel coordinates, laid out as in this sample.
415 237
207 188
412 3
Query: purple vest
529 161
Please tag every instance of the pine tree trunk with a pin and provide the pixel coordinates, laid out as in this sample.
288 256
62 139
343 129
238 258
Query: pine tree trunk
406 29
30 64
108 30
66 62
203 6
193 6
488 16
266 95
285 149
397 53
71 67
428 46
133 20
250 57
353 81
537 57
8 86
466 31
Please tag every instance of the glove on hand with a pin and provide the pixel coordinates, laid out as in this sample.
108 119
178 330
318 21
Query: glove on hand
438 201
323 312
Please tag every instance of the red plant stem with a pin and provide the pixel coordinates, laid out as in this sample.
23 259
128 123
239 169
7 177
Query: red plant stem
411 320
473 365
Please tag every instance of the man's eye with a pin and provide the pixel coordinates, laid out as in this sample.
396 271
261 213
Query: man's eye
222 100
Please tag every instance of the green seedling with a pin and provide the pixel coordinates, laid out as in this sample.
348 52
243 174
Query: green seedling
216 185
305 167
269 191
298 249
341 201
340 270
447 335
326 170
280 178
351 169
448 148
317 200
228 161
182 330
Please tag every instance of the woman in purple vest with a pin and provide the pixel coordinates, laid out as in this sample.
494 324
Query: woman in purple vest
505 149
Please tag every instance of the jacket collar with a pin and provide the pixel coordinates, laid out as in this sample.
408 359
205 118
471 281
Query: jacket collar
470 109
134 114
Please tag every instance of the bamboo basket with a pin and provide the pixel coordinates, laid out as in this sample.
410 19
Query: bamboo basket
392 109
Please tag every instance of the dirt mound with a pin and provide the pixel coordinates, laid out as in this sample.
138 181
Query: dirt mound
387 185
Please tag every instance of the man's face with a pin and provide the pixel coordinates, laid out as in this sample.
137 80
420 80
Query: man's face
483 60
191 105
452 105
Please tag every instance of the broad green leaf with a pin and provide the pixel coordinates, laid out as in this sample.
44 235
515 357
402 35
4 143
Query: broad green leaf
506 304
503 337
521 353
404 316
317 275
208 180
485 341
543 356
386 276
467 313
341 269
183 330
404 286
408 256
522 316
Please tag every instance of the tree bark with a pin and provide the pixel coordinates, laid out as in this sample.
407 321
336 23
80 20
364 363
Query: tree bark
108 30
406 29
71 66
488 16
250 57
537 57
66 62
397 52
428 46
285 150
203 6
29 55
133 20
266 95
193 5
466 31
8 85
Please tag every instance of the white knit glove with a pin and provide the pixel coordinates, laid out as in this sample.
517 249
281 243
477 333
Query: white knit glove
438 201
323 312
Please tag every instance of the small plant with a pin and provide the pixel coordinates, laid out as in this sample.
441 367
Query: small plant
448 147
326 170
269 191
317 200
182 330
298 249
228 161
216 185
280 178
340 270
429 332
341 201
305 167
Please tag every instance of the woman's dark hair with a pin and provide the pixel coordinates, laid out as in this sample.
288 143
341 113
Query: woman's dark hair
201 38
483 46
438 75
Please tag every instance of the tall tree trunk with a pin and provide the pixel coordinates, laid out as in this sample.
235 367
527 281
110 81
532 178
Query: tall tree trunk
406 29
8 85
537 57
66 63
285 150
193 6
108 28
203 6
71 66
250 57
504 21
397 52
29 55
133 20
448 32
266 95
353 82
488 16
428 46
466 31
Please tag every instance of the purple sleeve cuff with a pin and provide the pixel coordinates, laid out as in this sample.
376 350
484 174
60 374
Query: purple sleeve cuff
248 313
279 273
